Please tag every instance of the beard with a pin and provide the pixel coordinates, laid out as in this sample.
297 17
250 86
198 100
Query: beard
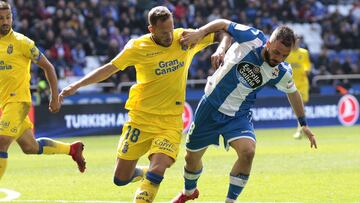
268 60
5 29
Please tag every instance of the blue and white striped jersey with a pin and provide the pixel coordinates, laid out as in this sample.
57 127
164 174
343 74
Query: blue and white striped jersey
233 87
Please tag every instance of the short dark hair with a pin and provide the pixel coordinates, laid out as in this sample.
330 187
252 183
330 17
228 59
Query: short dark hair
4 5
285 35
158 13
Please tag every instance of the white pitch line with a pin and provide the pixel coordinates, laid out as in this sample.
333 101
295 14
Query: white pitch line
10 195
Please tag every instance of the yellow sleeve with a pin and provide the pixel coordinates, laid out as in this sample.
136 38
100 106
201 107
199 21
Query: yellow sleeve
30 50
307 63
206 41
126 57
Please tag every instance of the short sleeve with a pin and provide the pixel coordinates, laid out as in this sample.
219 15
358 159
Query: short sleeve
206 41
126 57
30 50
286 84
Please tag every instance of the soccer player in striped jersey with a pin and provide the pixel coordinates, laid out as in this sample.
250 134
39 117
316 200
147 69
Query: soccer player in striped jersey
249 64
16 54
156 102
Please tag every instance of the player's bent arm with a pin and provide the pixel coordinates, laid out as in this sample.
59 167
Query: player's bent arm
94 76
225 41
214 26
50 74
97 75
192 38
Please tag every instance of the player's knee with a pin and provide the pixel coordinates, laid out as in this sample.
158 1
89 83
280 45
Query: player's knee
248 154
119 182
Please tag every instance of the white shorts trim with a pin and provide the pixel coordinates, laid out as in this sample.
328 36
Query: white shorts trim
239 137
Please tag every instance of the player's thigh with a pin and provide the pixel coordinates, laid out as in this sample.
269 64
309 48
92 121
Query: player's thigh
166 142
14 120
134 142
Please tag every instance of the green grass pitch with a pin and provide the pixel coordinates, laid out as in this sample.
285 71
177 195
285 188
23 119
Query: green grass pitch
284 170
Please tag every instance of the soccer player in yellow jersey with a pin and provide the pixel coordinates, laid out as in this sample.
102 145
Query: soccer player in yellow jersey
156 102
301 66
16 54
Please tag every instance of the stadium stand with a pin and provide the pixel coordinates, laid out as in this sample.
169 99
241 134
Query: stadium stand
77 36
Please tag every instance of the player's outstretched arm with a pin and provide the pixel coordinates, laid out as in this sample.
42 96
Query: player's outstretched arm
94 76
189 38
298 107
48 68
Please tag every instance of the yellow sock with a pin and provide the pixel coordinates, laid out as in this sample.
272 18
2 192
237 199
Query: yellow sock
49 146
146 192
3 162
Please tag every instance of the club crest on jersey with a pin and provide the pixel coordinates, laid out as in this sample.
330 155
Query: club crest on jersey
10 49
275 72
250 74
125 147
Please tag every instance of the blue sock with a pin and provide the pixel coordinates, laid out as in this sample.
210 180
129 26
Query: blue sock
191 179
154 178
237 184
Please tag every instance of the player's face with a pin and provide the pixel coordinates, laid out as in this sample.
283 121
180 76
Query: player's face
5 21
276 52
162 32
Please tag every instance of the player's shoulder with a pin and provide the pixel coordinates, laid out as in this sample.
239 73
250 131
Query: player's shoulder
139 42
21 38
179 31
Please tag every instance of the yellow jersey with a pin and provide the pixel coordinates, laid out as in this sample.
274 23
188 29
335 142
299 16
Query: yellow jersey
16 53
300 63
161 73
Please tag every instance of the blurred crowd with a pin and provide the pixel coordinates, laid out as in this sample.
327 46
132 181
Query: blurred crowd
67 31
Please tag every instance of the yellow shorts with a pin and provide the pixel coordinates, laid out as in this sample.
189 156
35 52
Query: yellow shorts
304 92
147 132
14 119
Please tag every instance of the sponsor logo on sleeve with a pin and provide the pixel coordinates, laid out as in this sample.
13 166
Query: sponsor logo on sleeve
290 84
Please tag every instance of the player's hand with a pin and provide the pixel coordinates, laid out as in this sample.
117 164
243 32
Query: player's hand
67 91
190 38
306 130
217 58
54 105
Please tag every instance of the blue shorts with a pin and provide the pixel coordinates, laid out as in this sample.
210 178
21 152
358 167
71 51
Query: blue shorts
209 124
